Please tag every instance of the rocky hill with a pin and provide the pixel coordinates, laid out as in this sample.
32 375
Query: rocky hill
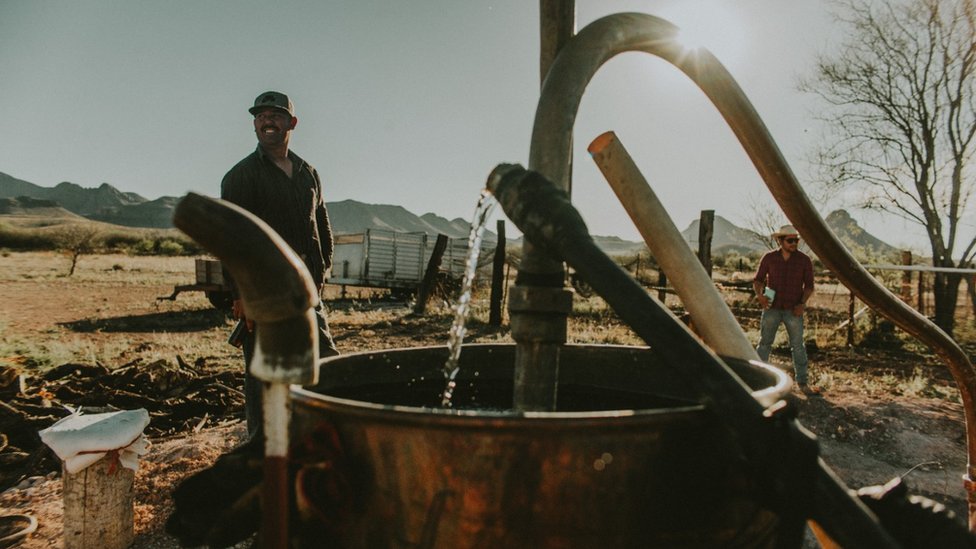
107 204
351 216
859 241
727 237
26 206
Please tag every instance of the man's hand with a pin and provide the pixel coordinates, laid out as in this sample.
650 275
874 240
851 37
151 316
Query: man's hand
763 301
237 309
798 309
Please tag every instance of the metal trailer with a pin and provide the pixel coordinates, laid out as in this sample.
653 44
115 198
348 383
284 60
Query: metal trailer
209 279
379 258
376 258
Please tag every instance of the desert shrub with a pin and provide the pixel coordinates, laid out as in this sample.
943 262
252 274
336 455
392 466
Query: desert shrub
170 248
734 261
144 246
882 335
26 239
122 240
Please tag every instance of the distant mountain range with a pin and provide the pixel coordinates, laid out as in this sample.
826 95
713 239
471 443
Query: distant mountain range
727 237
107 204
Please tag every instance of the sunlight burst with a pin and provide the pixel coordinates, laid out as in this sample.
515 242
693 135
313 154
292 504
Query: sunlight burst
715 25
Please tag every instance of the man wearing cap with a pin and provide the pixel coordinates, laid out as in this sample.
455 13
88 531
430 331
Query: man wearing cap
279 187
783 285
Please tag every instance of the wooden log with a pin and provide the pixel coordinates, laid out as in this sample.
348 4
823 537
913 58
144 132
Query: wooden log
98 507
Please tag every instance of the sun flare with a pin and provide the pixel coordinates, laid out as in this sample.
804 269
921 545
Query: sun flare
716 25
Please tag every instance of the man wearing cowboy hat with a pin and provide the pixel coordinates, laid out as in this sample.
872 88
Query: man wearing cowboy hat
783 284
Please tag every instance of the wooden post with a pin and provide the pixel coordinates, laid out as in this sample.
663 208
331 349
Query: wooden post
98 510
497 277
706 225
557 26
850 322
906 277
662 283
921 292
430 275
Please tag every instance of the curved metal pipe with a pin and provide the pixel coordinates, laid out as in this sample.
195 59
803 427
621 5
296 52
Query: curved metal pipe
278 294
552 147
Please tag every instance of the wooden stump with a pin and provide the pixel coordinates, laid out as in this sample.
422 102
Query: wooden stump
98 510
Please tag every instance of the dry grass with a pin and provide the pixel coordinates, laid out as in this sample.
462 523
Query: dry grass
108 313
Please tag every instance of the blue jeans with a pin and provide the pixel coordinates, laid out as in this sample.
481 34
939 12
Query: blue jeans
253 386
769 324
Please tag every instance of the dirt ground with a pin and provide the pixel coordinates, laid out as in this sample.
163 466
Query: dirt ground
883 412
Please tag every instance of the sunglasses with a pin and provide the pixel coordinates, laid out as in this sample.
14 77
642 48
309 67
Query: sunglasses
791 240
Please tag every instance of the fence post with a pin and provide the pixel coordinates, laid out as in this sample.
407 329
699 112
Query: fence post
921 292
706 224
662 284
430 276
850 322
497 277
906 277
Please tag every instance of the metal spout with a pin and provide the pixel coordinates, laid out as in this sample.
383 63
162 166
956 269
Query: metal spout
278 294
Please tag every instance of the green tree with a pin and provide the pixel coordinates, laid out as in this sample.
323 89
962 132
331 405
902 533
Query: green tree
901 116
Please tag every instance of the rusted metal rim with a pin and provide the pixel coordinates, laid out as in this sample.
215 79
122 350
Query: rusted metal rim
775 384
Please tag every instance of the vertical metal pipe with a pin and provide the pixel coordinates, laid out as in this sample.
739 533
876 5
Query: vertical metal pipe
274 492
557 25
538 329
712 317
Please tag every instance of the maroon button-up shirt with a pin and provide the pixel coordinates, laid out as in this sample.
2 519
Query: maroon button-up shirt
788 278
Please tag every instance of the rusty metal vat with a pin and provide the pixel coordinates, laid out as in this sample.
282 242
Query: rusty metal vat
628 459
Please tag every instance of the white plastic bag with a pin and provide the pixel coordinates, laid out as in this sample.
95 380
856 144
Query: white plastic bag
82 439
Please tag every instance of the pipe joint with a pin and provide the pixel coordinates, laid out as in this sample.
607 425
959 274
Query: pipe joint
540 299
538 313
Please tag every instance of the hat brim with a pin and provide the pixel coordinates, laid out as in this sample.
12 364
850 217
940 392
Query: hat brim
259 108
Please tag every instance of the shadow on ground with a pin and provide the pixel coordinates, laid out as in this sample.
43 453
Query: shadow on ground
172 321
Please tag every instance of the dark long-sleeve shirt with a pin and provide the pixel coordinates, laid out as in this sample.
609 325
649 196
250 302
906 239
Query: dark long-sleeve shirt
293 207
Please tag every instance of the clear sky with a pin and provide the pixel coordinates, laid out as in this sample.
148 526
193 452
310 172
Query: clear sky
408 102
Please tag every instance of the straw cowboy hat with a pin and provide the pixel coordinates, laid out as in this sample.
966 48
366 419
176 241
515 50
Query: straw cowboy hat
786 230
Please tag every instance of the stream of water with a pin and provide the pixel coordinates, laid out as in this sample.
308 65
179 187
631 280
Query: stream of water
455 337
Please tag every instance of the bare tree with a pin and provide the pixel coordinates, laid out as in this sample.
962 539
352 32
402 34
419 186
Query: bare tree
77 239
765 218
902 118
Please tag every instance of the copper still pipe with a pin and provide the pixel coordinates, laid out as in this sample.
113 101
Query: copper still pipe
279 295
618 33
